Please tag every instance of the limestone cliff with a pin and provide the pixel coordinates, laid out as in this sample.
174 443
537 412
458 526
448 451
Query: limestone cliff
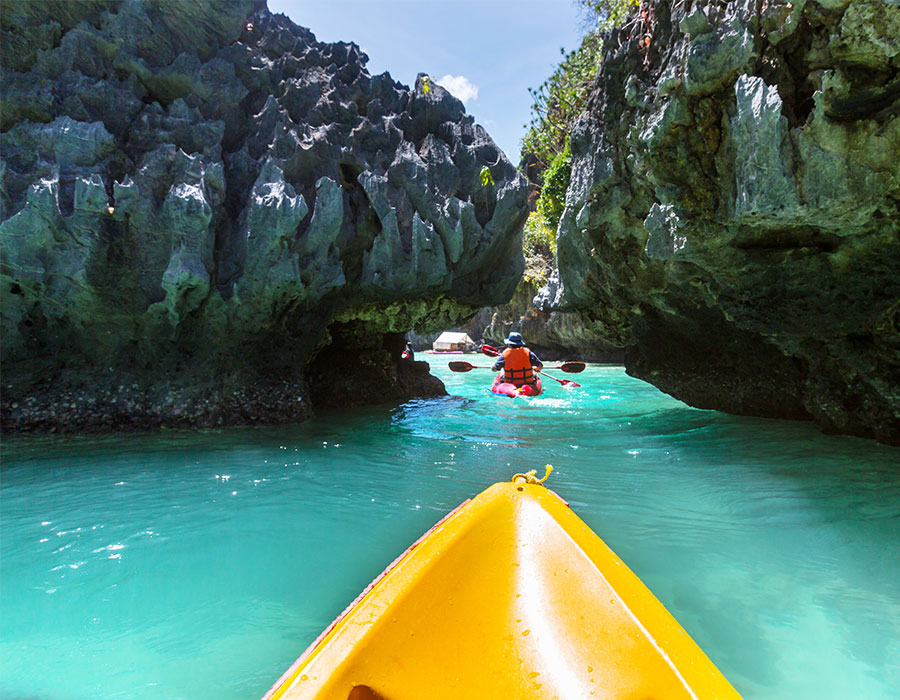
734 210
208 217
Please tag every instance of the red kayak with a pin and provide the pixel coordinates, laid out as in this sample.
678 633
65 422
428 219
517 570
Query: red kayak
507 389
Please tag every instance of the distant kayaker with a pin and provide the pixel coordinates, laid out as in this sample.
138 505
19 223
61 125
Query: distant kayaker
408 353
518 362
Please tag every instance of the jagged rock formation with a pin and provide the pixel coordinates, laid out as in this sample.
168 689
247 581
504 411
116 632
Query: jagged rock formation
203 207
734 211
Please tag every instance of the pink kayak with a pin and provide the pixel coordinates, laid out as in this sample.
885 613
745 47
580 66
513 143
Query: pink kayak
506 389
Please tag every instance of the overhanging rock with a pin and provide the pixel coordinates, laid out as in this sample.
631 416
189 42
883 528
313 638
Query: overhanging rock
192 199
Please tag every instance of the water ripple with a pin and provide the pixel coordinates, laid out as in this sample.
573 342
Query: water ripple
199 564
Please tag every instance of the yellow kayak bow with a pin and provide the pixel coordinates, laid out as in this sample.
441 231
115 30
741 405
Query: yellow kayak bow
510 596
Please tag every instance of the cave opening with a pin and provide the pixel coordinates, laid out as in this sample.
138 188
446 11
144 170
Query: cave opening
362 365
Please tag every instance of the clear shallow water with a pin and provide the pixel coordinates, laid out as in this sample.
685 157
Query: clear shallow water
200 565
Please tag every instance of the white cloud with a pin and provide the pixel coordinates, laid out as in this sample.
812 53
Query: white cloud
460 86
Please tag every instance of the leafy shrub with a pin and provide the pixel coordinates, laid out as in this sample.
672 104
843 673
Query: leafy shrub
553 194
539 247
537 237
609 13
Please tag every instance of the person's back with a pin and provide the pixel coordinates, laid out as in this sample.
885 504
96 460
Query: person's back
517 368
518 362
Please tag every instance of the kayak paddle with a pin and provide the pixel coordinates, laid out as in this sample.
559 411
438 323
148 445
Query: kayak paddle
565 382
565 367
464 367
570 367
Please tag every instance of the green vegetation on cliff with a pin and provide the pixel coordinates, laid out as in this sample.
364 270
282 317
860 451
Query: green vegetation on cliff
609 13
552 201
562 97
539 247
558 101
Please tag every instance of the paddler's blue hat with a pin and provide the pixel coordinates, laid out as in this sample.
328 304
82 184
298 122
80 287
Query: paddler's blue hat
515 340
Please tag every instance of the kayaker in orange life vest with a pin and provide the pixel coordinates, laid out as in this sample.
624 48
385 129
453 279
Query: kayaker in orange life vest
518 362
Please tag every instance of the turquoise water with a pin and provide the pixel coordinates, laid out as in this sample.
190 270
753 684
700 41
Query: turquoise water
200 565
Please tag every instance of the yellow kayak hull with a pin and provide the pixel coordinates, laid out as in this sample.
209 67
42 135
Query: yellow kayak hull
511 596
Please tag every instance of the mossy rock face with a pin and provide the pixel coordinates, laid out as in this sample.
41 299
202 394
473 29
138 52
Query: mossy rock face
193 193
733 214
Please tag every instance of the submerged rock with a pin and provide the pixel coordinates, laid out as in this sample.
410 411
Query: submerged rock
193 194
734 210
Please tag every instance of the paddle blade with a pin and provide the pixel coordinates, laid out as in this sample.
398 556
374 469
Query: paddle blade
489 351
569 384
572 367
460 366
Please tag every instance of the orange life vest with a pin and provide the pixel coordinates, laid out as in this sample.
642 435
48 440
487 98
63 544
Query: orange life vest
517 366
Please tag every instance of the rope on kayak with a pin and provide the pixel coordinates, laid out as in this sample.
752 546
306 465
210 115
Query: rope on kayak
531 477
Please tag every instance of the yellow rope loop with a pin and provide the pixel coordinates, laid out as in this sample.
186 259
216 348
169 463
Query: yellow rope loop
531 477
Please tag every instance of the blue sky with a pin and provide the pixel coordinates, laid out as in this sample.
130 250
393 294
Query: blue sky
498 47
